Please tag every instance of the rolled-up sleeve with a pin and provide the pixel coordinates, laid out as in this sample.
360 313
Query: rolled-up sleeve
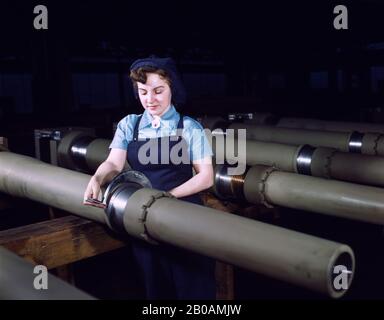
124 133
199 146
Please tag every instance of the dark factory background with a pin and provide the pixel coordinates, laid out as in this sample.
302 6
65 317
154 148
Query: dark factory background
276 57
273 57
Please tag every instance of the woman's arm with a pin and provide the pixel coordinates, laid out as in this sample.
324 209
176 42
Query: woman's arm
106 172
203 179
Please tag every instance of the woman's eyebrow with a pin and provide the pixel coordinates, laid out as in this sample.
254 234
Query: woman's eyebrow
159 87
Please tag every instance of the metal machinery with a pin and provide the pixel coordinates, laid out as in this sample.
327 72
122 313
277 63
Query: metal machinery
277 174
152 215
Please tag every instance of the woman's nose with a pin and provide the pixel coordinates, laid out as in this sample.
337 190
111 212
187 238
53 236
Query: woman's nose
150 97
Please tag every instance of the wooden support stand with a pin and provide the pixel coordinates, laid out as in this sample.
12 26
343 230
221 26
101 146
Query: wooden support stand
224 271
61 241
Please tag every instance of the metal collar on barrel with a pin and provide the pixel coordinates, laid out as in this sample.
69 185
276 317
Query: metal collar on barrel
355 142
304 159
118 192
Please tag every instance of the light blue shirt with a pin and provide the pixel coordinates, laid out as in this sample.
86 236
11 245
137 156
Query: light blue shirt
193 132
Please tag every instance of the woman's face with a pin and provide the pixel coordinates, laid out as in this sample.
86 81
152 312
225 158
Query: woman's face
155 95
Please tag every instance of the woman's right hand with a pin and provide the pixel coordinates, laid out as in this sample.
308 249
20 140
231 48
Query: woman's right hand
104 173
92 191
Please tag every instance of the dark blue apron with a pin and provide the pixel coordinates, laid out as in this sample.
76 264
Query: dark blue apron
170 272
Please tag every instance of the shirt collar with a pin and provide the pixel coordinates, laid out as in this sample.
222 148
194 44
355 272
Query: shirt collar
168 119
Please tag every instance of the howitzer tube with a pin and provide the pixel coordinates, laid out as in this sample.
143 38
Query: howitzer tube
17 282
97 152
279 155
359 168
315 124
287 255
370 143
337 198
283 254
33 179
318 162
72 156
79 150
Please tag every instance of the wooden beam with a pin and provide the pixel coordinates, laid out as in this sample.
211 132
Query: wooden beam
224 272
61 241
64 272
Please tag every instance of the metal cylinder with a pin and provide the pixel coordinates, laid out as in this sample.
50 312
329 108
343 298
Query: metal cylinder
33 179
322 125
151 215
342 141
17 282
342 199
97 152
322 162
280 155
295 136
318 162
80 151
358 168
283 254
304 159
228 187
72 156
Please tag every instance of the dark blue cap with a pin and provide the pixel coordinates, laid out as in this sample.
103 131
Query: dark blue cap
169 66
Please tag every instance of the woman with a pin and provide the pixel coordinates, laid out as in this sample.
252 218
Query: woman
169 272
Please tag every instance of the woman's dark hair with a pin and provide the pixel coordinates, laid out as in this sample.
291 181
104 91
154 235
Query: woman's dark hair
140 75
165 68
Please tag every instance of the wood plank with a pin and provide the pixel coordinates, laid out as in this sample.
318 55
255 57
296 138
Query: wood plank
60 241
64 272
224 272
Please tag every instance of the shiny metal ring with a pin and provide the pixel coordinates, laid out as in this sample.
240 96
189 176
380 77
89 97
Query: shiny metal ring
229 187
304 159
355 142
78 152
118 193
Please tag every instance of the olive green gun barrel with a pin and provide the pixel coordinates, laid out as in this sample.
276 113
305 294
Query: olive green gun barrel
270 250
368 143
322 125
304 159
33 179
265 185
79 150
342 166
319 162
287 255
212 122
17 282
